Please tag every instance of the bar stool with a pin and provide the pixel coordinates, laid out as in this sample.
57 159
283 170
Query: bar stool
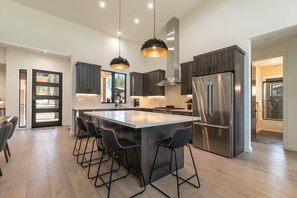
96 134
82 133
179 139
5 130
115 145
14 121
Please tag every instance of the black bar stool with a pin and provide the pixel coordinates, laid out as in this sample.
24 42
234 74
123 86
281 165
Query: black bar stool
96 134
179 139
115 145
82 133
5 130
14 121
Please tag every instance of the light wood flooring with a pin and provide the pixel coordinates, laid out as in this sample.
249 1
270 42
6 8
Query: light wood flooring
42 166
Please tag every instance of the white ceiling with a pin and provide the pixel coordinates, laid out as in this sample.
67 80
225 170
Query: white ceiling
88 13
283 36
276 61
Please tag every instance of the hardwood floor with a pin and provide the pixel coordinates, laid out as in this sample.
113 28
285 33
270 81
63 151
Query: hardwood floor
42 166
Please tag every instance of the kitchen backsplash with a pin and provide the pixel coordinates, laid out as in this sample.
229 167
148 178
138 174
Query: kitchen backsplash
172 97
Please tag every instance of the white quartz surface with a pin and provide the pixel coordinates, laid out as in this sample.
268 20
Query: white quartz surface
141 119
104 108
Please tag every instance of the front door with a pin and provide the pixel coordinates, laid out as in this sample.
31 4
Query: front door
46 99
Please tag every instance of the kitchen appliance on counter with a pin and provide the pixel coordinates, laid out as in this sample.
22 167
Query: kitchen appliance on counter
213 101
136 102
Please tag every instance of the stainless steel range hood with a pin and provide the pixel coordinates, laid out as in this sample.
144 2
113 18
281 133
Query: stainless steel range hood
172 38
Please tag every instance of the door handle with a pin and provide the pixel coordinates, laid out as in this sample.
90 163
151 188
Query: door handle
211 125
207 99
210 99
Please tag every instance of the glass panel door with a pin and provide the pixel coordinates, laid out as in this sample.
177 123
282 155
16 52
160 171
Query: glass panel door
46 99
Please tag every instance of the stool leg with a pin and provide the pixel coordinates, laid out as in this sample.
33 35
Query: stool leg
194 166
177 182
141 173
154 164
5 154
84 153
73 153
91 157
0 172
98 170
8 150
110 175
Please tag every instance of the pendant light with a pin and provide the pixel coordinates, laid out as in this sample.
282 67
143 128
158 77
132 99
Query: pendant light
119 62
154 47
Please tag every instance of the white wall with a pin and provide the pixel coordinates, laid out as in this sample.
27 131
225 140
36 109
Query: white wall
289 52
30 28
2 80
21 59
2 55
217 24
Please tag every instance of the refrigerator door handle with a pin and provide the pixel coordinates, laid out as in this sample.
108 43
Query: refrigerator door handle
207 99
210 99
211 125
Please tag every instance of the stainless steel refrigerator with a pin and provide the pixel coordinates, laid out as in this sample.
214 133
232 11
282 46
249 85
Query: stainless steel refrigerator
213 102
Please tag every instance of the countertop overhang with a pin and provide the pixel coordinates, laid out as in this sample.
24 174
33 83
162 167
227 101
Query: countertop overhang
141 119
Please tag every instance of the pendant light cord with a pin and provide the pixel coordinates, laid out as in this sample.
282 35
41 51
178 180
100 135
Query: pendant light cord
154 18
120 32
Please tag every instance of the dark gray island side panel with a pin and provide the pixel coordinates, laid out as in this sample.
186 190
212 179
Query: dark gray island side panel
147 137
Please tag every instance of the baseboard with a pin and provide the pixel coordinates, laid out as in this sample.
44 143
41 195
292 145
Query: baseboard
290 148
274 131
248 149
259 130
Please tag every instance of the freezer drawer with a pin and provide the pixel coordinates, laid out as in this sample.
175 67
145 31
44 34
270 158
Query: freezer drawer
214 138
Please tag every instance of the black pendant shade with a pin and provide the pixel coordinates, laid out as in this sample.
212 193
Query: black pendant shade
154 48
119 63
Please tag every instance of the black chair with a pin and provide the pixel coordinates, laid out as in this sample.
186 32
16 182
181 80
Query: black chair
179 139
115 146
82 133
5 130
96 134
14 121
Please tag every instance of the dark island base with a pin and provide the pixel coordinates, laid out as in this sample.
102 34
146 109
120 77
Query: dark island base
146 138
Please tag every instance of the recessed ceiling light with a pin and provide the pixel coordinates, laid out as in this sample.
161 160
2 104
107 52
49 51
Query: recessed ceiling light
136 21
119 33
273 60
102 4
150 5
44 51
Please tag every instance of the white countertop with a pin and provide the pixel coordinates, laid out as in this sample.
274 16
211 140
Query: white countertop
107 108
141 119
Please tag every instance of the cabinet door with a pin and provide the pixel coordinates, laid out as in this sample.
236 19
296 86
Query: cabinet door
136 84
146 84
186 78
87 78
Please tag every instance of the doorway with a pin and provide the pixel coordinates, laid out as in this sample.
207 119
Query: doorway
46 98
267 101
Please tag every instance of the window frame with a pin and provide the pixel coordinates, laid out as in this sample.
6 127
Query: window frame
113 74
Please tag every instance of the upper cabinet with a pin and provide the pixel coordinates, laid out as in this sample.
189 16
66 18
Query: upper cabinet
87 78
223 60
186 78
145 84
136 84
149 83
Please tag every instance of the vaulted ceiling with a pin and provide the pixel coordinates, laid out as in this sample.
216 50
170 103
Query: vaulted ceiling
89 13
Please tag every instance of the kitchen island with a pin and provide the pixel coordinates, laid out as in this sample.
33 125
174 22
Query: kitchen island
145 128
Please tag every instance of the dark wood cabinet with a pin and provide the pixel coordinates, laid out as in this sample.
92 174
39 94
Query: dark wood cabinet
186 78
223 60
136 84
150 79
145 84
88 78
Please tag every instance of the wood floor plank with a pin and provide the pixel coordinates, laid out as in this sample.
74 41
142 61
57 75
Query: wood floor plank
42 166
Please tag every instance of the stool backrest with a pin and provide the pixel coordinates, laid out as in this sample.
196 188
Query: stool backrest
109 138
5 130
81 124
14 121
181 137
92 129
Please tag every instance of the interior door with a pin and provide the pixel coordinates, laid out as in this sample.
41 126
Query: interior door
254 104
46 99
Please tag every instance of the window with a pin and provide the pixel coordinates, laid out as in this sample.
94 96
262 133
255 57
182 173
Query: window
273 99
22 98
113 87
